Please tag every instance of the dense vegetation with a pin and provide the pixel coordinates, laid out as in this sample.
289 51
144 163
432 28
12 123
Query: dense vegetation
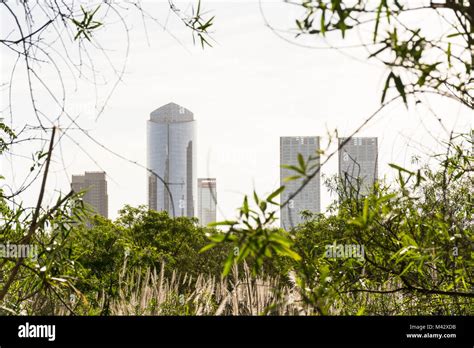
416 236
416 233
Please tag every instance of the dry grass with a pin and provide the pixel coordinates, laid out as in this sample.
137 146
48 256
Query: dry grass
178 294
156 292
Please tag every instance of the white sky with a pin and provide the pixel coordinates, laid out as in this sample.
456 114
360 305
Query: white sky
248 90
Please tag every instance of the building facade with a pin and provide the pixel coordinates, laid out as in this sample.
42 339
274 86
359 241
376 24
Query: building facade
95 185
207 200
310 197
358 163
171 158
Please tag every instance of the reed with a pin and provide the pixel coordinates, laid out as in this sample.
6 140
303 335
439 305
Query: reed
153 293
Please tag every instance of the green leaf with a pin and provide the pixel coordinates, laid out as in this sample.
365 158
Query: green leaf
291 178
401 169
294 168
86 35
95 11
255 197
222 223
323 22
365 213
285 251
207 24
228 264
280 239
94 26
298 24
198 11
407 268
448 53
377 19
245 207
77 35
243 253
454 35
274 194
400 88
387 84
207 247
301 162
218 237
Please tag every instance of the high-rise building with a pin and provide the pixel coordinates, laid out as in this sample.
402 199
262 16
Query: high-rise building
358 166
171 155
207 200
95 185
310 197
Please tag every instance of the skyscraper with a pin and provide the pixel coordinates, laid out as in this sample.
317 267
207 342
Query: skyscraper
171 155
95 185
207 200
358 163
310 197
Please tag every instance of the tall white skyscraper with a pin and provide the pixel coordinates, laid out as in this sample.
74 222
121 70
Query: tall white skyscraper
171 135
207 200
358 163
310 197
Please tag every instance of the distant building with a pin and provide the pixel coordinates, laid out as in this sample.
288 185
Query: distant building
171 155
207 200
95 185
310 197
358 163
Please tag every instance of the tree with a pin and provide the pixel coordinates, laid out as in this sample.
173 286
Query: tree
418 60
42 36
416 238
42 270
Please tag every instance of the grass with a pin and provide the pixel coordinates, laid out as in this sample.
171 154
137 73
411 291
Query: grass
240 294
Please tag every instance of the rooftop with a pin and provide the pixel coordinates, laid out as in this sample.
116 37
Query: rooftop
171 113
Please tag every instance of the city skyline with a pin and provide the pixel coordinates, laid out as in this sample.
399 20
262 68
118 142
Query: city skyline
236 158
357 169
245 95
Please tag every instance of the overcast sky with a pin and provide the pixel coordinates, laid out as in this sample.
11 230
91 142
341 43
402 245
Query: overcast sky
246 91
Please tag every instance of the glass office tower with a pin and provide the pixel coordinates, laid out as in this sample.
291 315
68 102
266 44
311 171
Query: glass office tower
310 197
171 135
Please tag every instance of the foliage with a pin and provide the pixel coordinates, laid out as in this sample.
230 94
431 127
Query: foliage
49 273
197 23
87 24
253 235
418 61
416 237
